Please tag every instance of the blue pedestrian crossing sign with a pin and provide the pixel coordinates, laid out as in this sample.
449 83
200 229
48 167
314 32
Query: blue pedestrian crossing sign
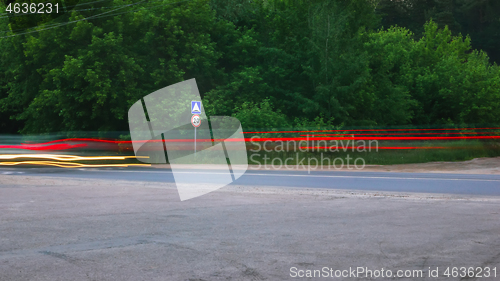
195 107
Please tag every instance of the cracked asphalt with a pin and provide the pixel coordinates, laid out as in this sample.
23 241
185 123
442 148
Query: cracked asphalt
78 229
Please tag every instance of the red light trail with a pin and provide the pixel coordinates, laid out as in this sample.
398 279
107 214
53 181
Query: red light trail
255 139
372 130
396 134
46 147
380 147
399 134
366 139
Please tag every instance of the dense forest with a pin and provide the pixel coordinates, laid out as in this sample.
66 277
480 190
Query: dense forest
270 63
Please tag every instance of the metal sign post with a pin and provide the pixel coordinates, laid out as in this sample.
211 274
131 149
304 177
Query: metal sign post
195 119
196 122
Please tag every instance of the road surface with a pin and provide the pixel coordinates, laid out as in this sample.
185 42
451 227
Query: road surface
62 224
485 185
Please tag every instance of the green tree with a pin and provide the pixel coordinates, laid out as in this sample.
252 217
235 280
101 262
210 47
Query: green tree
264 58
478 19
85 75
390 62
260 116
437 79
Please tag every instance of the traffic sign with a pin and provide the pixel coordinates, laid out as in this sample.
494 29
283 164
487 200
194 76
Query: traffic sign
196 120
196 107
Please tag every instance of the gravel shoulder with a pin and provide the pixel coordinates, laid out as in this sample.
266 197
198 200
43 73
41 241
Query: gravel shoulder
490 166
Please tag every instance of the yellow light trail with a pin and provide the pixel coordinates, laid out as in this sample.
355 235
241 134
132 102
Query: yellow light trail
62 157
66 157
69 165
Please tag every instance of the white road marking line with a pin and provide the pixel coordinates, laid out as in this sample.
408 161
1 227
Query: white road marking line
315 176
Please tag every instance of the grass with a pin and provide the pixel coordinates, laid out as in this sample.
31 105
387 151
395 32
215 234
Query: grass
449 151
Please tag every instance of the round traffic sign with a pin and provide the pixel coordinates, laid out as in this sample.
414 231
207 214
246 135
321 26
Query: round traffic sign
196 120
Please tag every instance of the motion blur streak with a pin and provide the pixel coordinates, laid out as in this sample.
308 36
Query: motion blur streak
399 134
46 147
66 157
372 130
385 147
52 146
367 138
82 139
69 164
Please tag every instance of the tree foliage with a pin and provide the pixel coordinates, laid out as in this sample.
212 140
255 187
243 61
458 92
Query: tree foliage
85 75
319 62
478 18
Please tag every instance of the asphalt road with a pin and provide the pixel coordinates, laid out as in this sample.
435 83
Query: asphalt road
484 185
77 229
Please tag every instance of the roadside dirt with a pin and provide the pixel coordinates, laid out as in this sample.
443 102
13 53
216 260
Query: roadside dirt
475 166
